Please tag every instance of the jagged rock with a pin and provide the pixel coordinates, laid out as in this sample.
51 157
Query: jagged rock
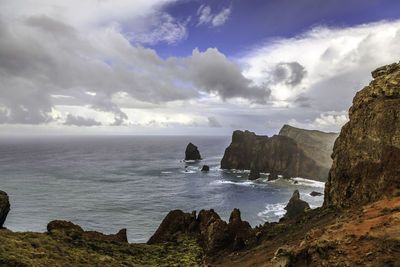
213 233
254 174
205 168
71 229
192 153
366 155
277 154
4 207
296 206
315 194
272 176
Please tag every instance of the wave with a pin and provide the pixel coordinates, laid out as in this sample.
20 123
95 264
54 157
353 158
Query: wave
308 182
166 172
244 183
272 211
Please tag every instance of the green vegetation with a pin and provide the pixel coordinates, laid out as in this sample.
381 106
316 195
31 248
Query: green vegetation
60 249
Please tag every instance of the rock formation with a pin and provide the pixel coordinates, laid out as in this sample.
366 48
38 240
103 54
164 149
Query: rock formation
212 232
205 168
71 229
192 153
316 145
254 174
366 155
277 154
296 206
315 194
4 207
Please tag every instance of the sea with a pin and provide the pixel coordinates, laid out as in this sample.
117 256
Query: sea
105 183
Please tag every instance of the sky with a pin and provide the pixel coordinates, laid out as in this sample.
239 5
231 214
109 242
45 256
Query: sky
188 67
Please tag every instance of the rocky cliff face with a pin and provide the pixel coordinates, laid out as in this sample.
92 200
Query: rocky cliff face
316 145
366 155
276 155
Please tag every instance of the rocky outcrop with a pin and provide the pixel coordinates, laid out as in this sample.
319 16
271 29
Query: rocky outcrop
212 232
366 155
254 174
296 206
71 229
315 194
192 153
279 155
4 207
205 168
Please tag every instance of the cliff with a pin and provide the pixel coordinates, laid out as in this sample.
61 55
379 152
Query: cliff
317 145
281 154
366 155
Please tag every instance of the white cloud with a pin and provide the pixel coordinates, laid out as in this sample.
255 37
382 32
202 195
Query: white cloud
337 61
328 121
206 17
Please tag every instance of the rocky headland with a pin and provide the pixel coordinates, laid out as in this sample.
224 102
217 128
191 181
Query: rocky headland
293 153
358 224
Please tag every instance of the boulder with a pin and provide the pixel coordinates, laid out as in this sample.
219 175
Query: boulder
4 207
315 194
192 153
296 206
205 168
277 154
366 155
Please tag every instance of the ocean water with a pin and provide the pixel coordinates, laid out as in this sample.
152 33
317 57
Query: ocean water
111 182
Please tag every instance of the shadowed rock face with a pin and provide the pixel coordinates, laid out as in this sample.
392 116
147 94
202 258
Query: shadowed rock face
366 155
211 231
277 154
4 207
192 153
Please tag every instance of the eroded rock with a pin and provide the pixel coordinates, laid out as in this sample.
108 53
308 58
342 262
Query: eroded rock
366 155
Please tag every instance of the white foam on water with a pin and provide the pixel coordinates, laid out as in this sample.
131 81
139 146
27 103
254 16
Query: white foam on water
220 182
165 172
272 211
188 171
308 182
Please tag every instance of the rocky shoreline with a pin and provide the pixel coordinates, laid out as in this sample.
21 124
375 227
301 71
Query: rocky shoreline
358 225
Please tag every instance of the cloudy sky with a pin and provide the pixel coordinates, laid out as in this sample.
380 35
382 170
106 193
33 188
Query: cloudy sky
188 66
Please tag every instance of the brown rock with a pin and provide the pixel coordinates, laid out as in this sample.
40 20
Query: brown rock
277 154
205 168
296 206
4 207
366 155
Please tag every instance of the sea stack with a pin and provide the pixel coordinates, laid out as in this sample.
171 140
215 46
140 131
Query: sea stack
192 153
4 207
366 155
296 206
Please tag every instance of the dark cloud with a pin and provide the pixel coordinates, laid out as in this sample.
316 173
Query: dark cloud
290 73
80 121
213 122
212 72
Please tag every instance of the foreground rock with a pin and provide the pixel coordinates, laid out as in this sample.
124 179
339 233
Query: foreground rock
192 153
214 234
4 207
366 155
279 155
296 206
70 228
